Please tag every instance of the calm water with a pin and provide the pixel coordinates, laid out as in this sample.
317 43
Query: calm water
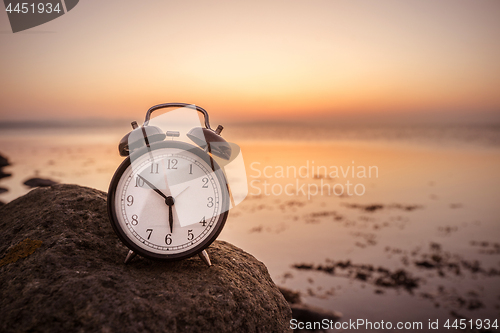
459 136
431 207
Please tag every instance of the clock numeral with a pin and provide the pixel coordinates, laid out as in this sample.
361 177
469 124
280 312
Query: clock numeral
172 163
130 200
203 222
154 168
168 239
150 232
135 220
190 169
190 235
210 203
205 182
139 182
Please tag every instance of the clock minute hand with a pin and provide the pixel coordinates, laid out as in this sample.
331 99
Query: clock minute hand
170 202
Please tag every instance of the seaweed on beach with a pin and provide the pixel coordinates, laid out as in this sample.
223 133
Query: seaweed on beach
433 259
447 230
486 247
467 328
374 207
444 262
316 216
401 279
377 276
369 239
291 204
366 208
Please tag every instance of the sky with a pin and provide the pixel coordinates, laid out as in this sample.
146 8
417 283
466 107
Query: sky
258 60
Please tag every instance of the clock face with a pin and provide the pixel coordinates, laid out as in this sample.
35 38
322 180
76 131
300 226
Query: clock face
169 202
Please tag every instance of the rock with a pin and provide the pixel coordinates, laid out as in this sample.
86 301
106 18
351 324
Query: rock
61 270
3 174
3 161
306 313
292 297
39 182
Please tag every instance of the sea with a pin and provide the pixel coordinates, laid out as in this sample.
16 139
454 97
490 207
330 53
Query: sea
417 240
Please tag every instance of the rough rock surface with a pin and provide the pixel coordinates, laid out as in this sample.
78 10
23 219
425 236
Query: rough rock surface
61 270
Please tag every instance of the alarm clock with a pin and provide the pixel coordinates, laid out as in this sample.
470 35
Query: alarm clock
169 199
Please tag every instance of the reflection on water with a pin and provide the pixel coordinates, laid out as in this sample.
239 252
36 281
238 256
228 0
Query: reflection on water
420 243
429 135
410 248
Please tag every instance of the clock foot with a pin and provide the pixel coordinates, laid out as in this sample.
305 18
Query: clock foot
131 255
205 258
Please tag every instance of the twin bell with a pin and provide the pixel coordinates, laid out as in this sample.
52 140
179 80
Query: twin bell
203 137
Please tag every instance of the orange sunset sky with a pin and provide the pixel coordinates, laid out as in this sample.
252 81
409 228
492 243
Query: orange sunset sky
257 60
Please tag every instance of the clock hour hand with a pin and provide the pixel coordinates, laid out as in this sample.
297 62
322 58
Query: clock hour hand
168 200
153 187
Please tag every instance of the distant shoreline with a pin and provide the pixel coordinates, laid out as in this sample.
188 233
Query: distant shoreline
62 124
430 135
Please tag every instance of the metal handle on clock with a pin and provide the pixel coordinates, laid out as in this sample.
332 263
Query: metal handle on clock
180 105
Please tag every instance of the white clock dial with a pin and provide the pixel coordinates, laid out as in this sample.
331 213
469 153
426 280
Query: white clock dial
142 212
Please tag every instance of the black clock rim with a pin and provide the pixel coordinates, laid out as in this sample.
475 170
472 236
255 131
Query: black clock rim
219 224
